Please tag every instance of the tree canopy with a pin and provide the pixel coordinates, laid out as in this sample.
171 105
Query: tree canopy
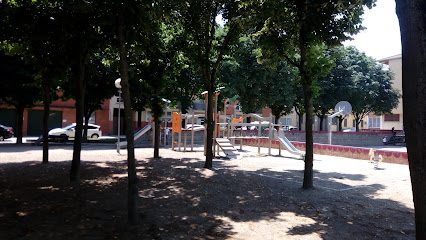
19 88
258 85
296 31
371 89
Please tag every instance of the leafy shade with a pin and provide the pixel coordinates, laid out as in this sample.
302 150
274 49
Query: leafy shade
18 87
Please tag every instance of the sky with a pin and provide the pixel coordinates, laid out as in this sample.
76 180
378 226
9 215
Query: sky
381 38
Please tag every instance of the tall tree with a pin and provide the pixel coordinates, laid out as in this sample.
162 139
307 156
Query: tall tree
371 89
412 20
153 70
80 22
30 29
132 194
131 18
294 30
336 85
207 48
244 77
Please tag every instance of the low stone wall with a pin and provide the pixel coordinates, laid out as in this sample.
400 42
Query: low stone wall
336 150
356 139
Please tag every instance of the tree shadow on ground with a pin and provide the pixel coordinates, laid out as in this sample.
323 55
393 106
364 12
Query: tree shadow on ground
39 202
182 197
181 200
15 148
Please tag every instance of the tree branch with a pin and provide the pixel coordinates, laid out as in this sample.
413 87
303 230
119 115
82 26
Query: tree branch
291 61
223 47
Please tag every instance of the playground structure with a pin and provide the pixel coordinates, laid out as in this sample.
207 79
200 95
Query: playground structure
177 120
137 135
229 130
258 130
226 131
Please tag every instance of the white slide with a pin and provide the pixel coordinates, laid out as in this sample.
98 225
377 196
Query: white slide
287 144
138 134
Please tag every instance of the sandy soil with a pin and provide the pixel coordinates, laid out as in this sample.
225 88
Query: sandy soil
253 197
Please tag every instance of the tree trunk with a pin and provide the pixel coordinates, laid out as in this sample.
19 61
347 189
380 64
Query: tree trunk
79 71
309 154
86 126
412 21
132 193
20 123
209 141
357 120
139 119
300 121
340 123
157 130
45 128
321 122
309 107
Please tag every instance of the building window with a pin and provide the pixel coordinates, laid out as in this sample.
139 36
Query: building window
286 121
345 123
374 122
392 117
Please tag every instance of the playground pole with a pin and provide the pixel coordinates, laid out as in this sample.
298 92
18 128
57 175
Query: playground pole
173 140
279 144
165 128
192 132
215 122
185 140
205 94
180 135
153 134
259 132
270 143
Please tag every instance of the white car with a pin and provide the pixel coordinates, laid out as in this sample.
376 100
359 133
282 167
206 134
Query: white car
93 131
197 127
290 128
352 129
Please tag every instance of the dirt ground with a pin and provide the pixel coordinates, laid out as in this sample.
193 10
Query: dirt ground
253 197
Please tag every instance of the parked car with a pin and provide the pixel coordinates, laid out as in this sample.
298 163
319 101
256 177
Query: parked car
5 132
352 129
93 131
196 127
394 140
290 128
